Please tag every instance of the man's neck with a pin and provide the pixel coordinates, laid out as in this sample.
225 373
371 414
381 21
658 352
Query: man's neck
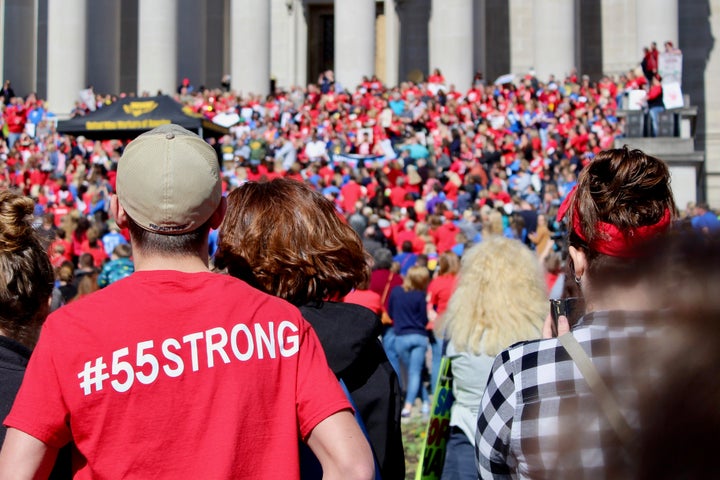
187 264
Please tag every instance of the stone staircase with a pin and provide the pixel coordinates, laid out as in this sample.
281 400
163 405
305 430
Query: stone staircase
675 145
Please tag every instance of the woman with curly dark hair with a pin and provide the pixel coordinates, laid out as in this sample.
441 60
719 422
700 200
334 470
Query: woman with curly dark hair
288 240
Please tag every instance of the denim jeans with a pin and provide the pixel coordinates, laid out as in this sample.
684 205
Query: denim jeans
459 458
388 341
411 349
436 348
654 119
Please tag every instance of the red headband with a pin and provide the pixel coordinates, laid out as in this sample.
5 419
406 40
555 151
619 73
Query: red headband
610 240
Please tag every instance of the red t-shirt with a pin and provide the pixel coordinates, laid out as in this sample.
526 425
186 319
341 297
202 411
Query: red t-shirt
351 193
445 236
440 290
166 374
365 298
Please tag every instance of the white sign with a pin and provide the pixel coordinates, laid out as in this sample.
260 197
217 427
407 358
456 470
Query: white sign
670 67
87 96
636 99
672 95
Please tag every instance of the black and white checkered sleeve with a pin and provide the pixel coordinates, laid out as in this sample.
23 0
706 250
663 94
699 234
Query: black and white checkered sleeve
497 408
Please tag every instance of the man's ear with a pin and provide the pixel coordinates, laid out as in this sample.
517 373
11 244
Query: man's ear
579 260
219 214
118 212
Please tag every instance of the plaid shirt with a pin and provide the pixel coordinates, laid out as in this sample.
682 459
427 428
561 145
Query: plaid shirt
538 417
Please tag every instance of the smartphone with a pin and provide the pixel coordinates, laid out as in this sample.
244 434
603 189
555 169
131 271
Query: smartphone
572 307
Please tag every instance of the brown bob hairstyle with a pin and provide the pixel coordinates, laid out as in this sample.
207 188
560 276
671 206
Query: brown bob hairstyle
289 241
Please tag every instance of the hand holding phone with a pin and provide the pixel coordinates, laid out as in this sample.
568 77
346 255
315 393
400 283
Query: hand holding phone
564 312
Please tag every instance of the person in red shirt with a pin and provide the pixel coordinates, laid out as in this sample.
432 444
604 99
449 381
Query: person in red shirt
655 103
350 193
446 233
365 297
440 290
95 247
15 119
398 192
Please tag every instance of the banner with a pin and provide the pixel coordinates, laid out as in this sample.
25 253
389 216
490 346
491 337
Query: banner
432 458
353 161
670 67
388 150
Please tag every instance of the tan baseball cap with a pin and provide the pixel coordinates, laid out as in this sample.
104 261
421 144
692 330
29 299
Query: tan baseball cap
168 180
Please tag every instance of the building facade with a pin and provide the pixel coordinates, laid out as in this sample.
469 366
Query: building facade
59 47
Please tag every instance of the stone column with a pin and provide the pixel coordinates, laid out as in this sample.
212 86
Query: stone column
392 44
554 27
250 46
282 37
66 53
712 112
354 41
157 46
657 21
619 20
522 39
301 43
451 41
2 41
103 68
191 64
480 37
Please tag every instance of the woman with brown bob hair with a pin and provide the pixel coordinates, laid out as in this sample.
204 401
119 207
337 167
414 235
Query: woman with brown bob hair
289 241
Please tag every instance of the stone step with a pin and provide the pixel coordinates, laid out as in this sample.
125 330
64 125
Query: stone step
658 146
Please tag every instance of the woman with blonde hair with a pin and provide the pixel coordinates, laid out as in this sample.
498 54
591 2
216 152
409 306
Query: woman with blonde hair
500 299
494 224
408 309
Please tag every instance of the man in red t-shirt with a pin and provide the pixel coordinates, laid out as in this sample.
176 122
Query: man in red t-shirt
175 371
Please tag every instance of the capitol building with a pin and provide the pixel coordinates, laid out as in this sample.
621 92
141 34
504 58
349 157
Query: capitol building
59 47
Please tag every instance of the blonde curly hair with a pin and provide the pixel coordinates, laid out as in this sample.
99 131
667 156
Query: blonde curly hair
500 298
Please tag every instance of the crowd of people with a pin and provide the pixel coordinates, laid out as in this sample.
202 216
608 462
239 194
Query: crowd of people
426 159
437 210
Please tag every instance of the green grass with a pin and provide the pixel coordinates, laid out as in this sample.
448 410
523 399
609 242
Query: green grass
414 431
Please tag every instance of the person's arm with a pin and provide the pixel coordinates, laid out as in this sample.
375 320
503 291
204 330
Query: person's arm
497 408
342 449
25 457
431 312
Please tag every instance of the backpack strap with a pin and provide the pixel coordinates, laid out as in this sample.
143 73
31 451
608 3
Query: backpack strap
599 388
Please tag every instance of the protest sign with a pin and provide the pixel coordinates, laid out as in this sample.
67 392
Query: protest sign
432 457
670 67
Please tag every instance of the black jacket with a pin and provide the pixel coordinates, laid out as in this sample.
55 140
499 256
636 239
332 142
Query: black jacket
14 358
13 361
349 335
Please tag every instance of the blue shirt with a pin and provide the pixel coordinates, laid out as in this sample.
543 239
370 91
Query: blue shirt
408 311
406 260
707 220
